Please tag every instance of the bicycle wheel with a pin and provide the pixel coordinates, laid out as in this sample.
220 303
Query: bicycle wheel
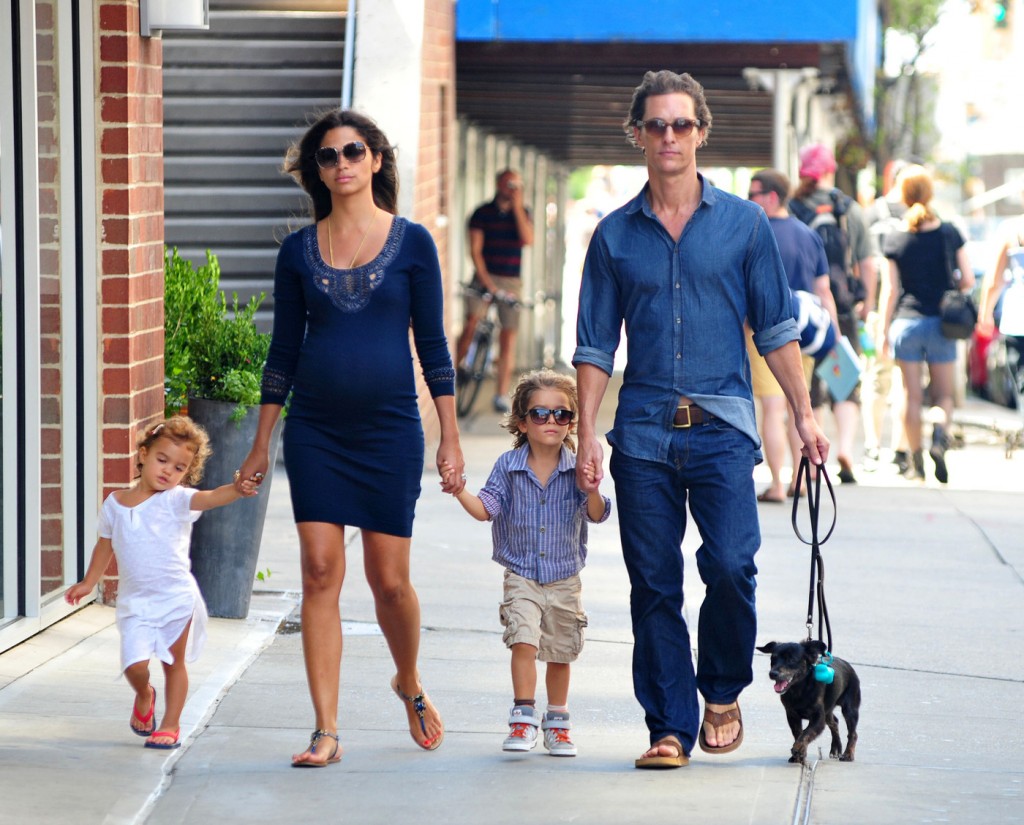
468 387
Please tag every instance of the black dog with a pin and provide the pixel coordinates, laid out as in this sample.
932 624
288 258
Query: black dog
792 670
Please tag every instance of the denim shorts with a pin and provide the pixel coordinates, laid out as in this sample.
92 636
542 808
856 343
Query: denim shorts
921 339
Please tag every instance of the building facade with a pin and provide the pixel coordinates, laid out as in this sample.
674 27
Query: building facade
83 228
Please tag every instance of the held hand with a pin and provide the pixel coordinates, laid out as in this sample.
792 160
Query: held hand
452 468
77 592
589 465
247 487
254 469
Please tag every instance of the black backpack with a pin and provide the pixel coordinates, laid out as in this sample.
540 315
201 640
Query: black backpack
829 220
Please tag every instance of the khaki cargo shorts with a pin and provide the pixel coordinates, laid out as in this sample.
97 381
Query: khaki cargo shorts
548 616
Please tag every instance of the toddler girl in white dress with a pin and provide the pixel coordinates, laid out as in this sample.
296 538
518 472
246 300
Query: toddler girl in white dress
147 528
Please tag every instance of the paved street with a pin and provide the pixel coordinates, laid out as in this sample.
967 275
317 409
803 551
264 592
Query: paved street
924 587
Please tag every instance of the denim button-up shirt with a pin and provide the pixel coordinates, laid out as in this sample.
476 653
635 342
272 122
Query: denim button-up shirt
683 304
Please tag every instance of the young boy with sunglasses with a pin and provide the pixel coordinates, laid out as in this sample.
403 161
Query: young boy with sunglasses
539 521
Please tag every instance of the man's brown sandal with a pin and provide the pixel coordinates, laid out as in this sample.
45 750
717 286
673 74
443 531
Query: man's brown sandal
678 761
716 719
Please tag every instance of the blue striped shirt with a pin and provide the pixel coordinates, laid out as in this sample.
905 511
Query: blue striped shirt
539 532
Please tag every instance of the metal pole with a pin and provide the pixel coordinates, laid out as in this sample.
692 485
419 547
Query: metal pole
348 59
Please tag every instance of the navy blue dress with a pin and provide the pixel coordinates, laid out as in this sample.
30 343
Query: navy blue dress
353 439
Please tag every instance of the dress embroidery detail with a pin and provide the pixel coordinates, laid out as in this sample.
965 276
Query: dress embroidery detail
275 384
350 289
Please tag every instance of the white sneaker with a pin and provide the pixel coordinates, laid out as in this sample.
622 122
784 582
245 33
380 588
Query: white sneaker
522 729
556 734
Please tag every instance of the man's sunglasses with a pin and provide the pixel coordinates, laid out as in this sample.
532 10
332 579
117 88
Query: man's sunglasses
682 126
541 415
327 157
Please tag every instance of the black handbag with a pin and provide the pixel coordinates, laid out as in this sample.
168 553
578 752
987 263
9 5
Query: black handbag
956 309
958 313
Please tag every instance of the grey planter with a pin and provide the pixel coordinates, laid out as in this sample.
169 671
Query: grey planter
226 541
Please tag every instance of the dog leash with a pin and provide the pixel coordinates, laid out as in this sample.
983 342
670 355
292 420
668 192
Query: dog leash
817 585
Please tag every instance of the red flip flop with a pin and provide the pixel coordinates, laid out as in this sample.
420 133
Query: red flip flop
149 720
173 734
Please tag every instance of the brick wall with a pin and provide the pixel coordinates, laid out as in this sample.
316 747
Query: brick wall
435 168
52 526
131 274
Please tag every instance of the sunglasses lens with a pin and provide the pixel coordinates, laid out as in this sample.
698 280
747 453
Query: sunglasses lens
326 157
683 127
656 126
540 415
354 151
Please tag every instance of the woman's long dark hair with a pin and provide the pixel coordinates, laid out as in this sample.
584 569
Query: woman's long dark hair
301 165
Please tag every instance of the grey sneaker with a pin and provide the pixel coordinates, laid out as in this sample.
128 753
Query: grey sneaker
556 734
501 404
522 729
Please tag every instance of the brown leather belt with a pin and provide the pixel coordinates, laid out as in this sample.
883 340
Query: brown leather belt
689 414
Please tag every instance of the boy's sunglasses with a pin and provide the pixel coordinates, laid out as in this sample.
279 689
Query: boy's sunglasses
540 415
682 126
327 157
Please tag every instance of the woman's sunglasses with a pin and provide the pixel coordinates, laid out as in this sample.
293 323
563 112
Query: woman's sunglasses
327 157
541 415
682 126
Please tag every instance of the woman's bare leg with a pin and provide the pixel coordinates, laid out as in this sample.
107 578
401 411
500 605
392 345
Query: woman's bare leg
322 549
386 559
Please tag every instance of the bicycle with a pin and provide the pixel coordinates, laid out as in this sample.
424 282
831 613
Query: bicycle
474 367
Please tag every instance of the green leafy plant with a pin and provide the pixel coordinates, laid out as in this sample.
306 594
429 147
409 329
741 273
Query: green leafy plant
212 349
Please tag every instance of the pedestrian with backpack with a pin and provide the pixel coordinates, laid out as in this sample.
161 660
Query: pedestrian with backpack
839 220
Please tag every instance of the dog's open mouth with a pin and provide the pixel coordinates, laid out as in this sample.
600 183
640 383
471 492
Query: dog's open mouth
781 686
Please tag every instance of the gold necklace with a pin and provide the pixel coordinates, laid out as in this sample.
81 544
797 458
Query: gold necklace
330 238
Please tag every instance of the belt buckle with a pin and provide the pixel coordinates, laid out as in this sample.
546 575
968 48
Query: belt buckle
689 421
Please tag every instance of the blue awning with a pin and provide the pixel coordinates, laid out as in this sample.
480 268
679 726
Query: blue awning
658 20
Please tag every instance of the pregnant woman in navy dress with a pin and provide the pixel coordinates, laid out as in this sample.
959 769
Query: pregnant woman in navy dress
346 291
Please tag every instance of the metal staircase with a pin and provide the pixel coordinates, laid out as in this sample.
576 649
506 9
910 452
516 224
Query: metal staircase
235 97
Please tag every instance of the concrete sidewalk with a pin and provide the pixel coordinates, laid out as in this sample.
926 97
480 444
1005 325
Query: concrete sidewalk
924 588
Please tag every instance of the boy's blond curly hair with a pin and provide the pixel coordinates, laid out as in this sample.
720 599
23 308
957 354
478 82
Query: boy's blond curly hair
181 430
527 386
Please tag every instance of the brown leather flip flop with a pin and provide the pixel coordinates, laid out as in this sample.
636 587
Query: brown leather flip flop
678 761
717 719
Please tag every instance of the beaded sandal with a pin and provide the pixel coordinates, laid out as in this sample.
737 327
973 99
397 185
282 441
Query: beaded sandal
314 740
419 704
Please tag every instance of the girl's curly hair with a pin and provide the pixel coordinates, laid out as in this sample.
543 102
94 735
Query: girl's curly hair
181 430
527 386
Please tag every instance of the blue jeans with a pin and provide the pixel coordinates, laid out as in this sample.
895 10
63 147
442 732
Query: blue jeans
712 465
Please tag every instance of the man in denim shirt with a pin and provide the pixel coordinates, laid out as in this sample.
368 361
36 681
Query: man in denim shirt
683 264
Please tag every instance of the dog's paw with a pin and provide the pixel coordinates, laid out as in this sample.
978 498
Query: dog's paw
797 760
846 757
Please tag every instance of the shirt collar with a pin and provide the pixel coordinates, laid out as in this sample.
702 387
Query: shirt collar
517 463
641 203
